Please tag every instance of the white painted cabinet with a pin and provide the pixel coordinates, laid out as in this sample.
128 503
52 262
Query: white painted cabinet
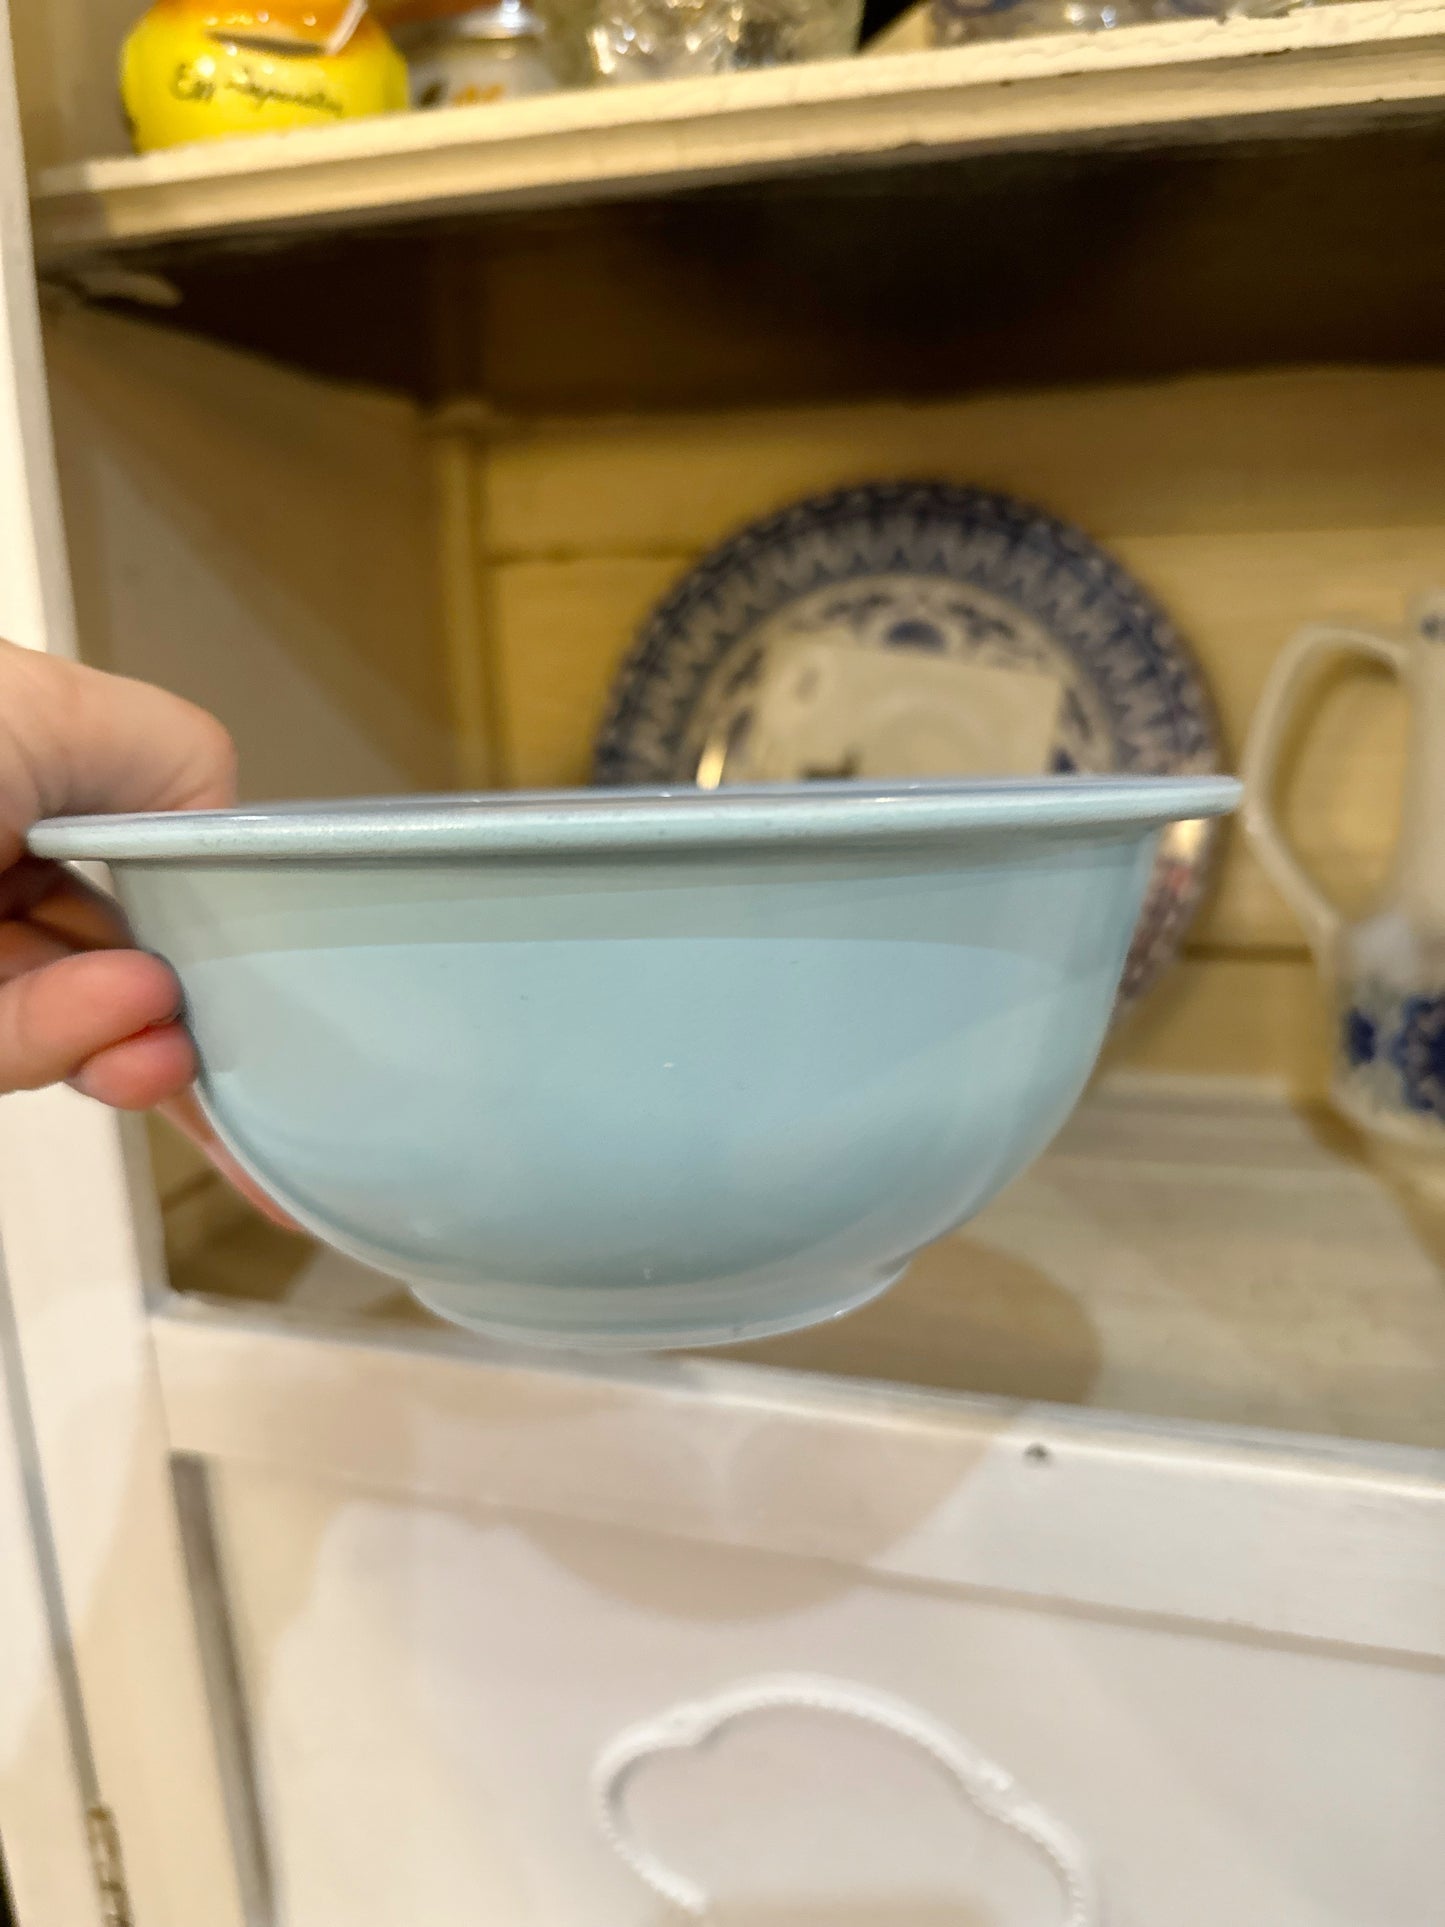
1096 1576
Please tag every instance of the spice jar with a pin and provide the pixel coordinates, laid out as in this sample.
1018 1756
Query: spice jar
492 53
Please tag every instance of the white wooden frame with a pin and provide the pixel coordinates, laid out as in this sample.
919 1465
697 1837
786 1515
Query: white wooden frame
44 1776
43 1787
1189 1524
75 1277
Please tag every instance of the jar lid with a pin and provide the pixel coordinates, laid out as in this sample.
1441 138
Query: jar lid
507 20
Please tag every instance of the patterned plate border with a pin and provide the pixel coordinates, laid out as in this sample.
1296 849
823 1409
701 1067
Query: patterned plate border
1161 718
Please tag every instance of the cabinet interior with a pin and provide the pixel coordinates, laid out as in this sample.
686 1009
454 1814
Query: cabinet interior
393 503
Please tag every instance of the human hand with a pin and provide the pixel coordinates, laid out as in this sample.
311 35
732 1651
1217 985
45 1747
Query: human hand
78 1003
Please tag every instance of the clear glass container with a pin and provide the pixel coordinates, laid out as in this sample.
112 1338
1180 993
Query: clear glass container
958 22
1227 9
665 39
491 53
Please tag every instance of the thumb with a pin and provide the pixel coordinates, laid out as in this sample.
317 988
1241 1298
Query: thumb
76 741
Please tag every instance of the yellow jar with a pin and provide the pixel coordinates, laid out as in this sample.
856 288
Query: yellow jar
194 71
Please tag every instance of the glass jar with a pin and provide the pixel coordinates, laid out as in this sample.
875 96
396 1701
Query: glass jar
665 39
492 53
958 23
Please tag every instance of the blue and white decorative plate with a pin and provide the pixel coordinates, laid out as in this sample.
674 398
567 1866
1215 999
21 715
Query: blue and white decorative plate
919 629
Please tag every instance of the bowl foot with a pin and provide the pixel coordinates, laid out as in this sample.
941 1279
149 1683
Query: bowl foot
621 1319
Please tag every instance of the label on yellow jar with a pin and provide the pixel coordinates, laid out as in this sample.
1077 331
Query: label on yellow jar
208 80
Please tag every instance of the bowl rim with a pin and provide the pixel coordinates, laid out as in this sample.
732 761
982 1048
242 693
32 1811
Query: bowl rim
638 822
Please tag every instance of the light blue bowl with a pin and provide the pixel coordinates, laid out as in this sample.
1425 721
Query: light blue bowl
646 1069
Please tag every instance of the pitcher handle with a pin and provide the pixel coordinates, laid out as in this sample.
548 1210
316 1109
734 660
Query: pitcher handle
1299 660
994 1792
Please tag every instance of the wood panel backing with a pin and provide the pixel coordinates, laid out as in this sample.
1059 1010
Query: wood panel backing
1248 503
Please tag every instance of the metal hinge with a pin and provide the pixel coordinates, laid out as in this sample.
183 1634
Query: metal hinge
105 1857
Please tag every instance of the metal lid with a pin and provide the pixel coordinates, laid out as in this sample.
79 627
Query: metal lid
507 20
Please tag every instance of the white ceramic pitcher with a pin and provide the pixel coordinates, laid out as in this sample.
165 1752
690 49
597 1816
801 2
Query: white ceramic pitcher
1386 972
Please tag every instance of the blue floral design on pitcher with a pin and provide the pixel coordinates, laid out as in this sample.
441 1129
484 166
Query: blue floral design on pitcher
1361 1039
1417 1051
1392 1049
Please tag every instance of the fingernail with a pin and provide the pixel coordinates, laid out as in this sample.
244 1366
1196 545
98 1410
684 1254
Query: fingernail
180 1005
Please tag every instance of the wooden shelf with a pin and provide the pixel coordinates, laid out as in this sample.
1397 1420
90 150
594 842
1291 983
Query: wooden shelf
1332 67
1188 1249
